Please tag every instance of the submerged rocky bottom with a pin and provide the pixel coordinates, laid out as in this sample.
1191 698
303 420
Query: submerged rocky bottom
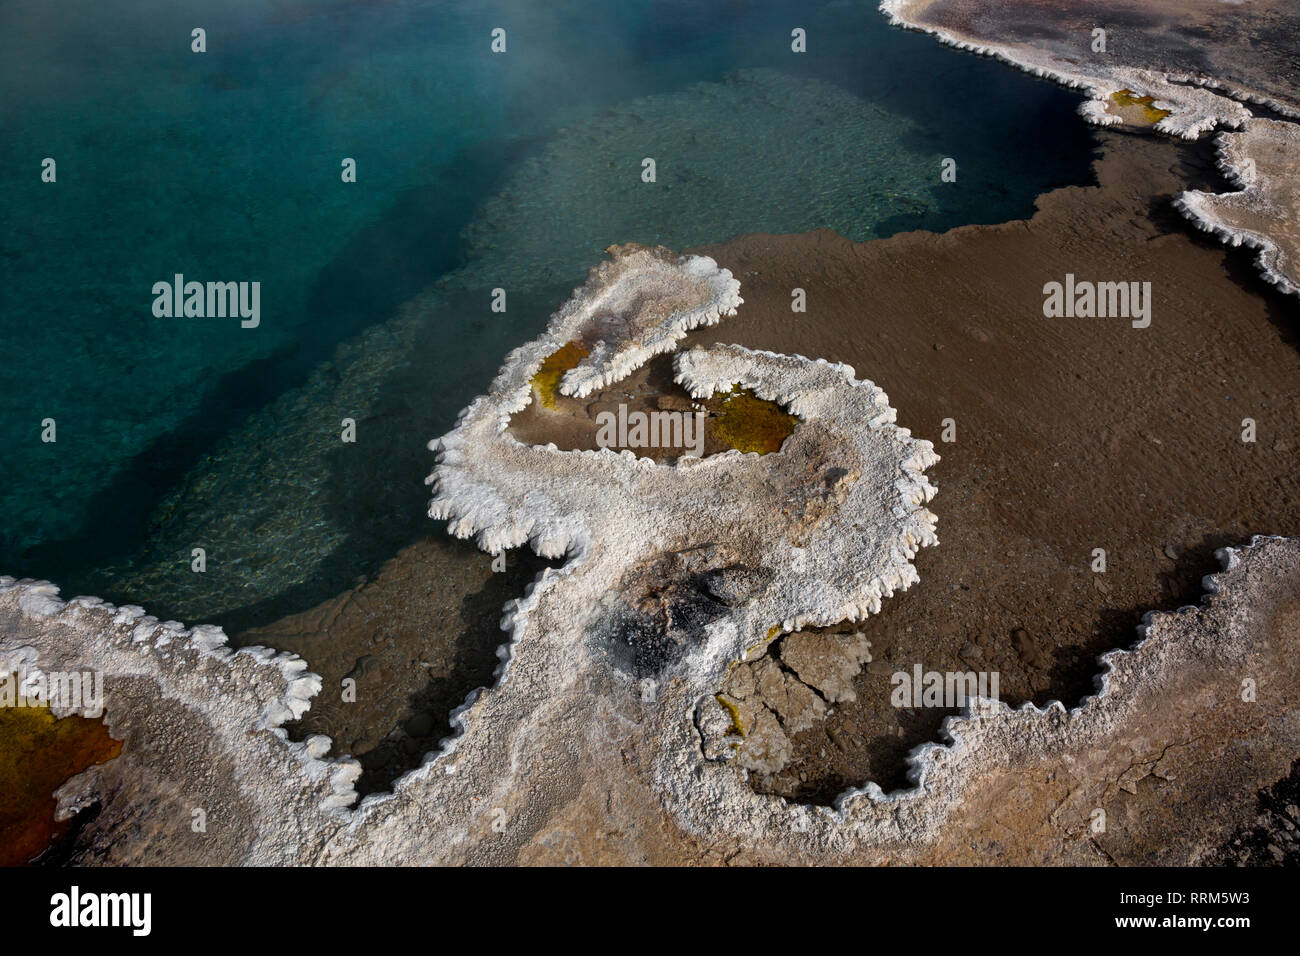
1160 514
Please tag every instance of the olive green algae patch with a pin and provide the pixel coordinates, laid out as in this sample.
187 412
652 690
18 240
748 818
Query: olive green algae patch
1127 99
749 423
547 380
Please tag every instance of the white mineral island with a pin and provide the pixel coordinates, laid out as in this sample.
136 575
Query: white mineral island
635 693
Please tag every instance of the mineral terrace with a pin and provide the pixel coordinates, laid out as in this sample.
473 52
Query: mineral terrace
634 696
1182 67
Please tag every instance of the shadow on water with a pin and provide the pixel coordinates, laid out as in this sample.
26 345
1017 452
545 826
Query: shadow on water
414 242
473 665
986 195
419 238
968 108
417 403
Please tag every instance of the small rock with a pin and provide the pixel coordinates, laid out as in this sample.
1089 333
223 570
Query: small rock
674 403
1026 647
880 669
361 666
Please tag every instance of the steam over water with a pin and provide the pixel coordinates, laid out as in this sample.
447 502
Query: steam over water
474 171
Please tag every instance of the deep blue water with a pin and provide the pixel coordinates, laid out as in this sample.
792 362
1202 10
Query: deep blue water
475 170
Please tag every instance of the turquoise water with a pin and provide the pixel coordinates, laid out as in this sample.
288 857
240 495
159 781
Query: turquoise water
475 170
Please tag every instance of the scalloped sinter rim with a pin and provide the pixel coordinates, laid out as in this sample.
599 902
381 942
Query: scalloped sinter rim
832 522
227 749
1264 210
505 493
634 306
203 726
819 532
1193 111
1180 665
